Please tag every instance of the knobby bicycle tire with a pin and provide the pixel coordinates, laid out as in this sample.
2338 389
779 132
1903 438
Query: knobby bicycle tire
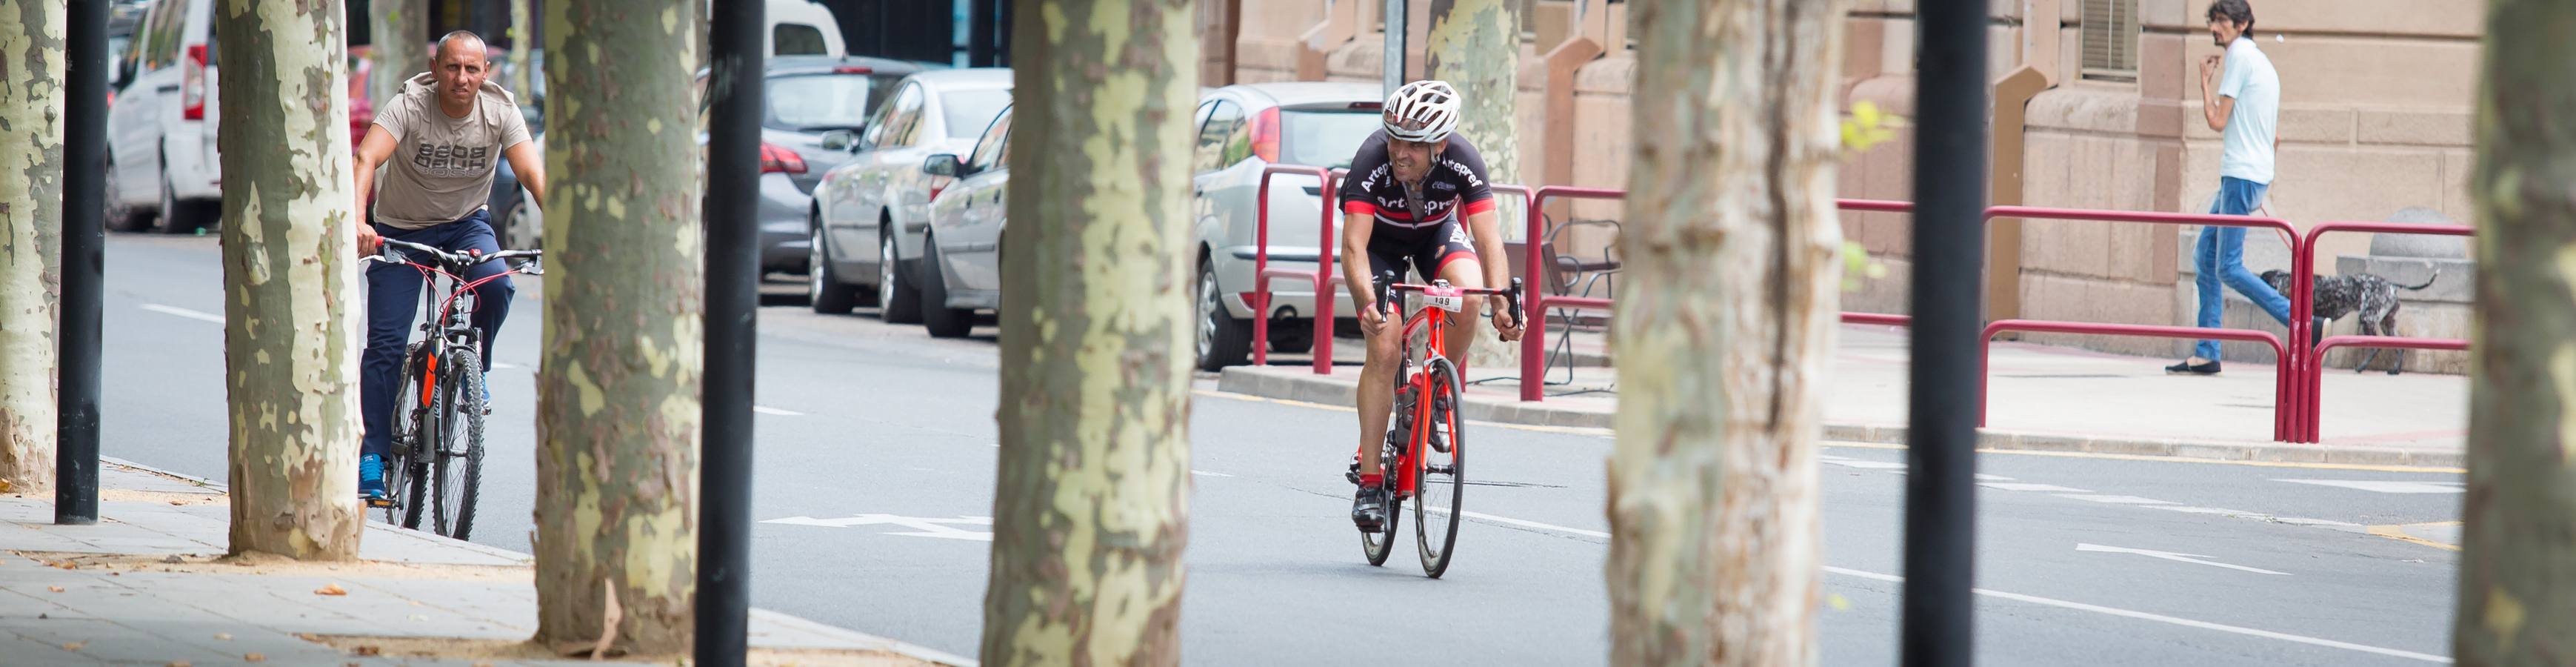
459 455
1442 472
406 473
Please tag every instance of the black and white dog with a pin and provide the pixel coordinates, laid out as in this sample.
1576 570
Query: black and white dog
2372 296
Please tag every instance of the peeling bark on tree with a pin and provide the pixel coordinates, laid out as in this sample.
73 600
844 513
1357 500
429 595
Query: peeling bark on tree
290 279
399 48
522 41
1091 502
2516 604
31 225
617 399
1723 333
1475 45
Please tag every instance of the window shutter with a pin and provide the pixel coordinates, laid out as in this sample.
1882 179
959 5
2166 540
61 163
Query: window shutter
2110 37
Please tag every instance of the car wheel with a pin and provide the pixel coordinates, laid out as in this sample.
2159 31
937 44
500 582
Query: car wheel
519 228
1292 336
898 302
828 294
941 320
177 216
120 216
1222 340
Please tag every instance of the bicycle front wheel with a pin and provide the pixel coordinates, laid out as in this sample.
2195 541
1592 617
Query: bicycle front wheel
459 455
1436 503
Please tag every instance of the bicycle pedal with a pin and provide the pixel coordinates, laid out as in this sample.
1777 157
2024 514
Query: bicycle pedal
380 503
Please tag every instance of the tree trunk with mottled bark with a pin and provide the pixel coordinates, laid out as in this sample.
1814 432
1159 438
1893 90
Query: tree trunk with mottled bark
617 397
1475 45
31 226
399 45
1723 332
2517 605
290 273
522 42
1091 505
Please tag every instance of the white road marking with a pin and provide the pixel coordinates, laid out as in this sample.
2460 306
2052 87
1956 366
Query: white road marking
2195 559
2027 486
505 365
922 526
1982 477
2052 602
1867 465
766 410
2384 486
2160 618
2115 499
183 312
1209 474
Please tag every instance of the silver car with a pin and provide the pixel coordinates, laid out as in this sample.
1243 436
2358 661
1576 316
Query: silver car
962 252
870 213
1243 129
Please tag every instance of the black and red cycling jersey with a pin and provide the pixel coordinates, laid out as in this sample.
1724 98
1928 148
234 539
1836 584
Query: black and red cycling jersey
1425 228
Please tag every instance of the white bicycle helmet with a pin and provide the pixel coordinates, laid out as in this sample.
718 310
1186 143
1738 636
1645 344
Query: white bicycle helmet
1424 111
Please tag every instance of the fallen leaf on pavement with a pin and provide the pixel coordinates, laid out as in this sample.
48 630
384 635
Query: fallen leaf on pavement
74 646
224 636
56 589
116 574
68 565
254 657
174 559
178 502
178 663
331 589
368 650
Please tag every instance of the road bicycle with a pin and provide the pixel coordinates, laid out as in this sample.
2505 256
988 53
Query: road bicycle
438 423
1425 439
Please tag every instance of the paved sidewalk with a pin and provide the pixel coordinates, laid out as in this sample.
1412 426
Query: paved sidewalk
2039 397
142 587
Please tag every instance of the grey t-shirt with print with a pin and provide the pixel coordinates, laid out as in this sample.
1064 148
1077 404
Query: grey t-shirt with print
441 169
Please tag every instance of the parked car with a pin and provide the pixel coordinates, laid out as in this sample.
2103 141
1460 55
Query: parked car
962 251
515 218
161 128
869 213
813 107
1243 129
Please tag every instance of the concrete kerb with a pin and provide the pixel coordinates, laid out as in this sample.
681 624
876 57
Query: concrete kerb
1309 388
845 638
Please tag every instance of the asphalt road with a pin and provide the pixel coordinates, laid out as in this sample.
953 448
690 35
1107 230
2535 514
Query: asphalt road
875 467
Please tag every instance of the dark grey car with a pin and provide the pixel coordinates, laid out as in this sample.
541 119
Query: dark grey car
807 98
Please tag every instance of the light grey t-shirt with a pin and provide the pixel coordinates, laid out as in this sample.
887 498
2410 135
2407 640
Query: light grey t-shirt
442 167
2256 119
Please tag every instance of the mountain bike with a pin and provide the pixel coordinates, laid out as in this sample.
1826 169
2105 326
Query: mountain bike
438 423
1425 438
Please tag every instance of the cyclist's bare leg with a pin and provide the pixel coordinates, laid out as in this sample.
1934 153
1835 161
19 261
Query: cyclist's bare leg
1467 273
1377 390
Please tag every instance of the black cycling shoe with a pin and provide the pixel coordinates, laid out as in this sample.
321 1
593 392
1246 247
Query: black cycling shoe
2188 368
1354 474
1368 509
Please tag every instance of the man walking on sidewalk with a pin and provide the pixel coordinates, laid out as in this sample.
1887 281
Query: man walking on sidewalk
439 138
2241 98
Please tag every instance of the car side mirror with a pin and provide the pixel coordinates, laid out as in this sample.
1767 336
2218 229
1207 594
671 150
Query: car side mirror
942 165
839 140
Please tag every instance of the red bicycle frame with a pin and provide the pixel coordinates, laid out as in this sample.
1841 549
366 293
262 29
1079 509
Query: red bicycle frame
1434 320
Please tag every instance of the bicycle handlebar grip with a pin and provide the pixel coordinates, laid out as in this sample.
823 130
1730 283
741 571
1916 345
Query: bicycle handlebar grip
1513 298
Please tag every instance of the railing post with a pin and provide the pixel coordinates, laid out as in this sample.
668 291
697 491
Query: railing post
1534 303
1324 244
1261 272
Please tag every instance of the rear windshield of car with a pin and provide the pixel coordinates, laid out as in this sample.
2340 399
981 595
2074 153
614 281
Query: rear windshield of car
818 102
969 112
1326 138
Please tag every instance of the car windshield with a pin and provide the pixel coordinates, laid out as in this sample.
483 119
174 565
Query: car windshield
970 111
1327 138
817 102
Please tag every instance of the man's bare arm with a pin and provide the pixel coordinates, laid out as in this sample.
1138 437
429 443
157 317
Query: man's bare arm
531 169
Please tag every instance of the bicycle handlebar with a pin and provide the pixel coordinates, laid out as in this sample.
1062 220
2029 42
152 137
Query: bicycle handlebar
1385 282
386 252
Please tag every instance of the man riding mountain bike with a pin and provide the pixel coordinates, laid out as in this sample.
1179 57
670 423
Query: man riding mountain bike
1415 180
439 138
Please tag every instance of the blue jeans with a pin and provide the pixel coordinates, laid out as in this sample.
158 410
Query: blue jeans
393 301
2220 256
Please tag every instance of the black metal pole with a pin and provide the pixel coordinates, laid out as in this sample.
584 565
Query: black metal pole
733 299
1949 245
83 262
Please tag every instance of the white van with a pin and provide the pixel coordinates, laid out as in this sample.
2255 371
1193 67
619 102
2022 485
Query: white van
801 28
161 129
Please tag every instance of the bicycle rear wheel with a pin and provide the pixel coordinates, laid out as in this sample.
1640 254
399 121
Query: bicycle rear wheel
459 455
405 474
1436 501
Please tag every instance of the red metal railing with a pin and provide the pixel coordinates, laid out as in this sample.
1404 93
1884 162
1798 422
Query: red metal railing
1534 299
1322 277
1876 206
2280 409
2302 309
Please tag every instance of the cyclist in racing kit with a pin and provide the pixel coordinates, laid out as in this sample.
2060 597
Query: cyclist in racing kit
440 140
1415 181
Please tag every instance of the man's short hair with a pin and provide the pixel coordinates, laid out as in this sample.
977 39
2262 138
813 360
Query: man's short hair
2235 12
443 40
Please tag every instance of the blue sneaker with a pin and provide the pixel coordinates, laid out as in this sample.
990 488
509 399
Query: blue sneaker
371 480
487 394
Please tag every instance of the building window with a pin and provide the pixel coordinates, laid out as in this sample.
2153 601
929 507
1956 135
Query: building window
2111 40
